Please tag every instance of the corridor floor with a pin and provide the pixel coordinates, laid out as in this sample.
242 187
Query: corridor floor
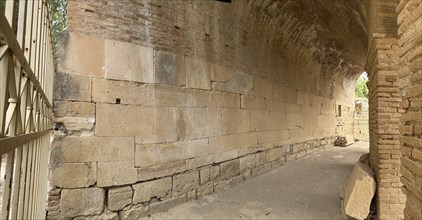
307 188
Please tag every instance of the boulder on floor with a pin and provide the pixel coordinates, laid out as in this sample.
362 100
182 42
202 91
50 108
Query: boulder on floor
360 190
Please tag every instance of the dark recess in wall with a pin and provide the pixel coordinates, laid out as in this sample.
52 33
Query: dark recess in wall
226 1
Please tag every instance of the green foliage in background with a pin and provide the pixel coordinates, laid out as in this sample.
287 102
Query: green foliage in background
58 11
361 90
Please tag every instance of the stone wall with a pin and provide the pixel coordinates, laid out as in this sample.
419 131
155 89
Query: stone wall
410 81
158 102
361 119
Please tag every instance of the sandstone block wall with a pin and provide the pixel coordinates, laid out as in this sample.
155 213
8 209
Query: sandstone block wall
146 120
410 75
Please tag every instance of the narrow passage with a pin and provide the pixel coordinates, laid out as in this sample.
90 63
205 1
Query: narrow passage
307 188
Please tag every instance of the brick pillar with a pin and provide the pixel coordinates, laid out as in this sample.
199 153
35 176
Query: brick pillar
384 120
410 83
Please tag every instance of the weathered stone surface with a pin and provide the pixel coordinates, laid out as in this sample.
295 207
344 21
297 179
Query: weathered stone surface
359 192
185 182
230 169
197 74
105 216
160 188
72 87
72 175
240 83
147 124
110 173
134 212
232 142
236 121
119 197
221 73
168 69
197 123
205 189
204 175
147 173
150 155
111 91
124 61
90 149
80 202
167 204
248 162
83 55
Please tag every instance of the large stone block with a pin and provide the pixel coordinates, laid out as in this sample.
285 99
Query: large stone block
147 124
185 182
249 162
155 154
230 169
80 202
83 55
252 102
197 74
135 212
169 68
232 142
359 192
217 99
72 175
277 137
124 92
197 123
153 172
262 87
116 173
159 188
72 87
89 149
131 62
221 73
74 109
241 83
278 120
260 120
235 121
119 197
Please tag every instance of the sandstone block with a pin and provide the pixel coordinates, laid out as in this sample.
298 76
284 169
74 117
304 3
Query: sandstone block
252 102
185 182
83 55
204 175
147 124
105 216
72 175
90 149
125 92
74 109
220 73
116 173
260 120
135 212
131 62
150 155
278 137
248 162
197 123
217 99
262 87
72 87
275 154
79 202
235 121
205 189
147 173
119 197
359 192
197 74
241 83
230 169
275 105
159 188
278 121
232 142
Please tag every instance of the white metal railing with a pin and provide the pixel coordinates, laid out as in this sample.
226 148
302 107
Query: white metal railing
26 88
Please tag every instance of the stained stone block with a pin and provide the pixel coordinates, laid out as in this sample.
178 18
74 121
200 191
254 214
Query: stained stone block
116 173
241 83
230 169
72 175
185 182
77 202
119 197
131 62
197 74
197 123
72 87
165 68
159 188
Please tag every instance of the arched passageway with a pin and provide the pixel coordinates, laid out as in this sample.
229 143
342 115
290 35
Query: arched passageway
158 102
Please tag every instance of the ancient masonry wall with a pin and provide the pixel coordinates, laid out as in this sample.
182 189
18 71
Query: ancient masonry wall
140 129
410 83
